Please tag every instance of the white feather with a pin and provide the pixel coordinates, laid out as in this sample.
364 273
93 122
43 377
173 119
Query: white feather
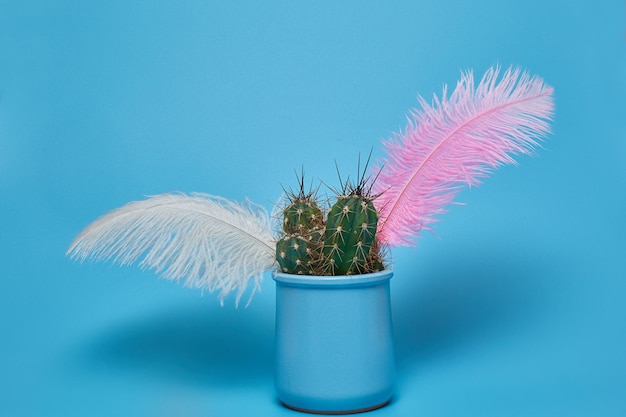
210 242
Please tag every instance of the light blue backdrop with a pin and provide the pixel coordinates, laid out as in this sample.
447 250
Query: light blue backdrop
515 308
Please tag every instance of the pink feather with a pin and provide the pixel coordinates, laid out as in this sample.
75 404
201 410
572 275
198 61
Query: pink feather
457 141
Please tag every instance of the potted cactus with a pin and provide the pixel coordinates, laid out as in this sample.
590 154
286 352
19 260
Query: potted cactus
334 349
332 300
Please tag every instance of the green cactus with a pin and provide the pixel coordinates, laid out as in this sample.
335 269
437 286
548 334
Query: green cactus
299 250
301 215
295 255
350 235
343 244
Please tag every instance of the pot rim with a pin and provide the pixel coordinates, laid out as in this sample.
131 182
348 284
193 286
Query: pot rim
332 280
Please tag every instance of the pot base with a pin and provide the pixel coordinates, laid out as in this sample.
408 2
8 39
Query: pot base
336 413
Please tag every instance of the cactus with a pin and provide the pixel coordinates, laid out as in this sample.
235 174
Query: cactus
299 250
350 234
302 215
300 253
294 255
344 244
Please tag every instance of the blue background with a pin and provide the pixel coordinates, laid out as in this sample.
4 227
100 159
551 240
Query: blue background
515 308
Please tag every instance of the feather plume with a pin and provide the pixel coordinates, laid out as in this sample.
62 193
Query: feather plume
456 141
211 242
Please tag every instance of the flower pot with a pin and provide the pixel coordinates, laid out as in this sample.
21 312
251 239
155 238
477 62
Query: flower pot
334 345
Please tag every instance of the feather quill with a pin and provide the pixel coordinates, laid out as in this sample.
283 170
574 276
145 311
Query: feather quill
210 242
457 141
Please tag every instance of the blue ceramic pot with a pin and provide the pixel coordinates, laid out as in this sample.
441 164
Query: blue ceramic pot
334 345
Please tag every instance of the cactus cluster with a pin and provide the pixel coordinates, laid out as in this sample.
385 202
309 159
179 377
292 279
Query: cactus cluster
299 250
343 242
